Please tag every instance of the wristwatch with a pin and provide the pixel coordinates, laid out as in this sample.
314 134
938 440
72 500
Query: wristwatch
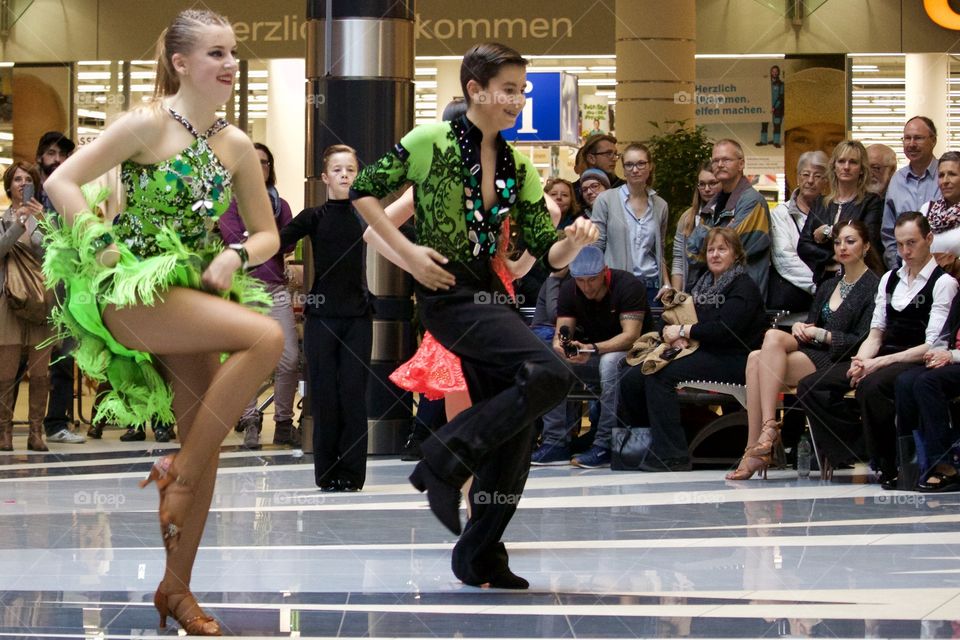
683 333
242 252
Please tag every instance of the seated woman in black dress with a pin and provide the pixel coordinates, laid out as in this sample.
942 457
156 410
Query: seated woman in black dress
837 323
730 322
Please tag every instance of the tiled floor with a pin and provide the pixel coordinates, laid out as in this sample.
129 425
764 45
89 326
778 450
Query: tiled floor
607 554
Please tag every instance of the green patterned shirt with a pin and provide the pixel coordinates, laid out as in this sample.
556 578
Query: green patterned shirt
443 163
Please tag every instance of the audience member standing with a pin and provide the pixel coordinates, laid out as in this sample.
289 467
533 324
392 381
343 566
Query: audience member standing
598 152
52 150
913 185
848 199
883 163
593 182
910 311
740 207
708 186
339 330
791 280
19 336
632 221
271 273
944 213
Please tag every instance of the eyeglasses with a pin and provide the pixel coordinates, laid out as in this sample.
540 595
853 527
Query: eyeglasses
591 188
708 185
265 163
630 166
909 139
806 175
609 153
725 160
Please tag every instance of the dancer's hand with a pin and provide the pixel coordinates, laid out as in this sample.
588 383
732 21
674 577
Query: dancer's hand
424 265
218 276
582 232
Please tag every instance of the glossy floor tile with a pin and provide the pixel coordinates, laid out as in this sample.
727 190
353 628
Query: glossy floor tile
608 554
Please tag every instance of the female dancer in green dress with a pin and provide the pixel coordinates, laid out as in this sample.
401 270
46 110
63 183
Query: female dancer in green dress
153 300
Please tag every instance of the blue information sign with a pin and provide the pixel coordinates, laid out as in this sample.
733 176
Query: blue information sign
546 116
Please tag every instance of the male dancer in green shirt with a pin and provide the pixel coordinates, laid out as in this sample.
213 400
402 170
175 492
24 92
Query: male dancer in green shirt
467 180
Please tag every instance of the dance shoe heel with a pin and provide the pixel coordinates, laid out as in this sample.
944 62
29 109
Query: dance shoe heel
198 624
444 500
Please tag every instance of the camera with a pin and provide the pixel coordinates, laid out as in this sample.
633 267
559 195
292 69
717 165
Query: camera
569 349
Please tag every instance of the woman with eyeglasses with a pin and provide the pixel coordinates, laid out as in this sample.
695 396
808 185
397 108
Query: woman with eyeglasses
598 152
848 199
707 188
791 280
632 221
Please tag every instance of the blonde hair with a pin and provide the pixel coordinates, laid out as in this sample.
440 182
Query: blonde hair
856 149
574 210
181 37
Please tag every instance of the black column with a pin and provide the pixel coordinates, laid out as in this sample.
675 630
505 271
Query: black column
360 93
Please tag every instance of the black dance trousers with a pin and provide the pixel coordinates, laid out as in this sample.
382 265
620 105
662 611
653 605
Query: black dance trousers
337 356
835 427
513 379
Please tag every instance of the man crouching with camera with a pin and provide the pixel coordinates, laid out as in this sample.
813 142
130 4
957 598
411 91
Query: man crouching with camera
600 313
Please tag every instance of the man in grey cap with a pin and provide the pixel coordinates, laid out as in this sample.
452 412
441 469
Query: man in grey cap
600 314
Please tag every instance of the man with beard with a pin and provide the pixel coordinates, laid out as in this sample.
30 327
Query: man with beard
53 149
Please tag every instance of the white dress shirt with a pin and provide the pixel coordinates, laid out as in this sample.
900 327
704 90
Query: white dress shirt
943 292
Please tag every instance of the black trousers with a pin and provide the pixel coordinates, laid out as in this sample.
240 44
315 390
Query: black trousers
651 400
60 405
513 378
923 399
836 428
337 356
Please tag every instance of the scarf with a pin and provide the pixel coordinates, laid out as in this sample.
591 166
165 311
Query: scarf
943 216
274 200
707 285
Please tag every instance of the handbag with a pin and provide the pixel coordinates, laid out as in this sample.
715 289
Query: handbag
24 288
629 447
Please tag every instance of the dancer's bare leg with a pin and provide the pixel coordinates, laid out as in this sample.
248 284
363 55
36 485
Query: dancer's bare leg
781 365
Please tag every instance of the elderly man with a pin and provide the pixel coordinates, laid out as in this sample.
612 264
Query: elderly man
912 186
883 163
740 206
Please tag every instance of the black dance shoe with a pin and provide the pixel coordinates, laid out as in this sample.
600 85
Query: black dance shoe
444 500
134 435
505 580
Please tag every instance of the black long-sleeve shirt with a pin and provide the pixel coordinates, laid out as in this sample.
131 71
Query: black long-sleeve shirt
735 321
339 263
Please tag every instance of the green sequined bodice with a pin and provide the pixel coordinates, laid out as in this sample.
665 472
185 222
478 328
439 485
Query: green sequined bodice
186 193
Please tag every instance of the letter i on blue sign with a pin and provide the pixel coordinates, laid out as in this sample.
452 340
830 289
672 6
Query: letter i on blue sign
526 116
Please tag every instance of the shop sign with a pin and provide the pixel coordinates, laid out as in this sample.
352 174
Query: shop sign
942 13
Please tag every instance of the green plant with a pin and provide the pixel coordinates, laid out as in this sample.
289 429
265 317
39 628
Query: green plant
678 151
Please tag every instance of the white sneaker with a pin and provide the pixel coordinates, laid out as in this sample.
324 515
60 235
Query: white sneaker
66 436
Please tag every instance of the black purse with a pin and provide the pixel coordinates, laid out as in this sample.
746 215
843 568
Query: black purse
629 447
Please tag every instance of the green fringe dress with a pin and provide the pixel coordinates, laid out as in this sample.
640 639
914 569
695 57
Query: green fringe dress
166 238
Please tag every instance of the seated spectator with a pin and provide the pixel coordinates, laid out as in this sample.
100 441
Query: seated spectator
837 323
561 192
791 280
707 187
632 221
730 322
598 152
600 313
848 199
908 318
943 214
923 397
593 182
740 207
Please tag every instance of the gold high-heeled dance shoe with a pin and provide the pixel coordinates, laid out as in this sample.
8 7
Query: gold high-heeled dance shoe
757 458
187 612
169 483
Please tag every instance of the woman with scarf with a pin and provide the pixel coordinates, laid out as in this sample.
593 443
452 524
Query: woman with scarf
944 214
730 323
271 273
